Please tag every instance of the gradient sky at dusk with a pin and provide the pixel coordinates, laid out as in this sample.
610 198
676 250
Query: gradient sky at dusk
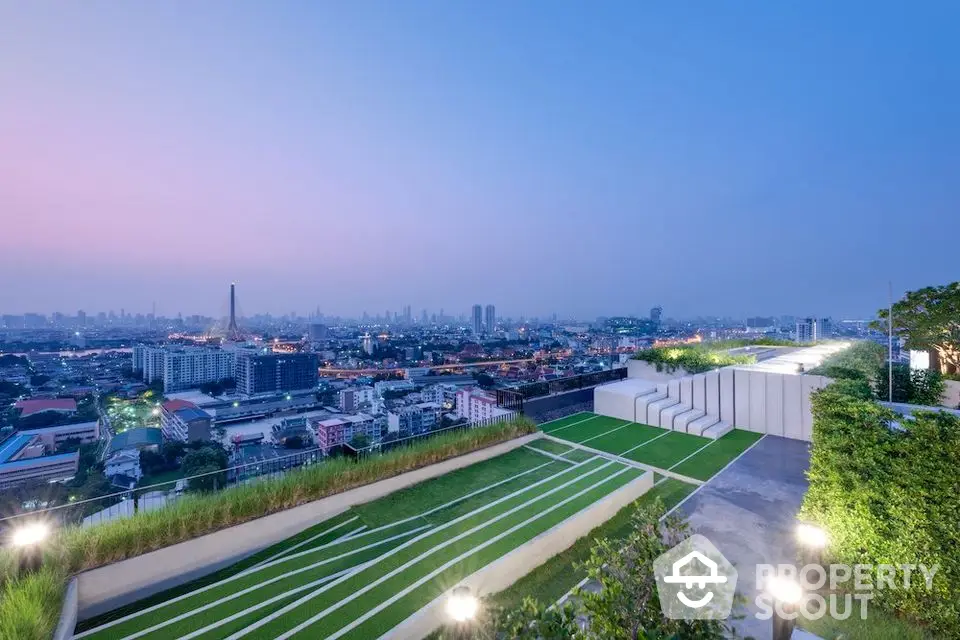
585 158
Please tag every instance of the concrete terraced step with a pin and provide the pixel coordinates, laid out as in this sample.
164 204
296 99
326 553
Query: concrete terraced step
682 421
718 430
698 426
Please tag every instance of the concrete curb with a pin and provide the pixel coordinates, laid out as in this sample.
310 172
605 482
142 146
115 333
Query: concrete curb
503 572
106 588
68 613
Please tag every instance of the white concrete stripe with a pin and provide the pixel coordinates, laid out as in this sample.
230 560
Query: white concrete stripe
691 455
430 576
307 541
208 587
623 426
265 603
349 536
566 596
728 465
573 424
297 603
548 422
629 462
274 559
550 455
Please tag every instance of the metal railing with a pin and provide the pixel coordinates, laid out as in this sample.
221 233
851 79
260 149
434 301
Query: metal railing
125 503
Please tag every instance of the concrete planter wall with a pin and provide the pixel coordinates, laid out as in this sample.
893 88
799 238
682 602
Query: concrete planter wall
648 371
951 396
106 588
68 613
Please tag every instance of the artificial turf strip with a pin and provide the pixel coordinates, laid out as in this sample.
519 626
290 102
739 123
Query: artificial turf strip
553 579
561 422
668 450
212 615
426 495
229 571
550 446
715 457
336 558
391 573
593 427
433 578
624 439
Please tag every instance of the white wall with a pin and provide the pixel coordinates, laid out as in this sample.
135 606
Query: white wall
647 371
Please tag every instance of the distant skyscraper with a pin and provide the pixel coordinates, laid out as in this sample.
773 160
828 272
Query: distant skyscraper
368 344
477 319
807 330
491 318
655 314
233 331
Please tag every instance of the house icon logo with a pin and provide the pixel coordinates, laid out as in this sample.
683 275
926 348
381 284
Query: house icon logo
695 581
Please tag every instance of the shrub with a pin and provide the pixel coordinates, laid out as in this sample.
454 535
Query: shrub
889 495
913 386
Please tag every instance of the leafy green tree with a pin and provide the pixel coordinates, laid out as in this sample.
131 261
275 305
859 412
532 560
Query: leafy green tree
929 319
39 380
152 462
293 442
360 441
204 460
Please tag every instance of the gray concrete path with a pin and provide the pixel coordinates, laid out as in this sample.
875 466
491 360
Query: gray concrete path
748 512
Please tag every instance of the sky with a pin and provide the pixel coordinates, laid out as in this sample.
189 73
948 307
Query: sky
727 158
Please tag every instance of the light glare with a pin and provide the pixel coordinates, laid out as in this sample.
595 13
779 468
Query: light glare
785 590
811 536
30 534
462 606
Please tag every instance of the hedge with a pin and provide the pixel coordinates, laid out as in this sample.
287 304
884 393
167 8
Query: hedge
887 491
75 549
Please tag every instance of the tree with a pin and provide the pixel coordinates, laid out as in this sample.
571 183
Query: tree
293 442
485 380
204 461
152 462
38 380
929 319
360 441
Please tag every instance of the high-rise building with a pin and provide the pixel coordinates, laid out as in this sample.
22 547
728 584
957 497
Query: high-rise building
477 319
655 314
814 329
259 372
318 332
491 319
182 367
367 344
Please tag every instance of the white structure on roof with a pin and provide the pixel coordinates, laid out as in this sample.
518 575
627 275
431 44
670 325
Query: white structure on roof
768 397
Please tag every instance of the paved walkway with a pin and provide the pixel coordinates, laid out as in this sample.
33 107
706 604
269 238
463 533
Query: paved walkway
749 512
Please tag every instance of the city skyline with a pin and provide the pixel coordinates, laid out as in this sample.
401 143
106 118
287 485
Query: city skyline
586 160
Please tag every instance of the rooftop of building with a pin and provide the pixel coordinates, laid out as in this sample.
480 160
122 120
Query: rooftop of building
137 439
36 405
195 397
175 405
44 460
14 445
192 413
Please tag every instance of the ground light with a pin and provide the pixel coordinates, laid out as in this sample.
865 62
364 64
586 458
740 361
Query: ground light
787 596
813 540
462 606
28 541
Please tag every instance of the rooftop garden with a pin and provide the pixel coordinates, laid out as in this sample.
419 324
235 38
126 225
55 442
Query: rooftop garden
30 602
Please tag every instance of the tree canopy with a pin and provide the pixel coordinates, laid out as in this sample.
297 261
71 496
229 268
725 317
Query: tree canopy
929 319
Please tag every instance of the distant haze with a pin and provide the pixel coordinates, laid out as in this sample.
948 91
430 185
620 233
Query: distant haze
570 157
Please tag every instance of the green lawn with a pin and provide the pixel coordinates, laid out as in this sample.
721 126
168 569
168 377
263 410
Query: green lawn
715 457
